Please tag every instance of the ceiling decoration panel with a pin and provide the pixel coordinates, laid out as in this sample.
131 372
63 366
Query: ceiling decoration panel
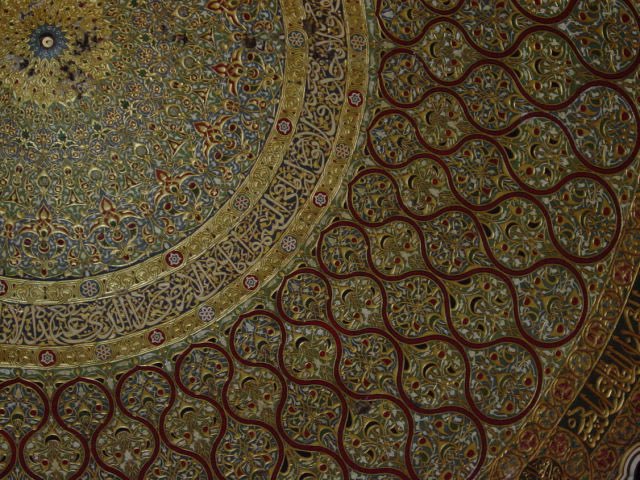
292 239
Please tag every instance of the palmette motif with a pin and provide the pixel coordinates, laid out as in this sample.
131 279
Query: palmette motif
440 321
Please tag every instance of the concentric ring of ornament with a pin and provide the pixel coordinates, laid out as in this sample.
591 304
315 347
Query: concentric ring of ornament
111 316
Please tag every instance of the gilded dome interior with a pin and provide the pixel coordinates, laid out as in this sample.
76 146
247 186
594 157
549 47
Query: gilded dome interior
328 239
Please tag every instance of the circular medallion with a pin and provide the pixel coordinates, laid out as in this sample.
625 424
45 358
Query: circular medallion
251 282
174 258
89 288
156 337
321 199
152 150
47 358
103 352
206 313
48 41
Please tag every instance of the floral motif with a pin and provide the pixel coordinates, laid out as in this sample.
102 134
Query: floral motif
355 98
358 42
103 352
156 337
284 126
296 39
251 282
320 199
47 358
174 258
288 243
342 151
241 203
206 313
89 288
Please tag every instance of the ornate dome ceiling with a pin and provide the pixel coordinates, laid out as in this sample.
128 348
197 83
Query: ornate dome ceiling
293 239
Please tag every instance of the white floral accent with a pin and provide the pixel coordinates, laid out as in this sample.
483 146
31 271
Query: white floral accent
342 150
289 243
206 313
103 352
296 39
355 98
320 199
241 203
174 259
358 42
284 126
251 282
89 288
47 358
156 337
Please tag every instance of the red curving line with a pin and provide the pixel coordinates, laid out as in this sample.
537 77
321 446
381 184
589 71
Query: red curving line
358 396
411 218
469 209
504 157
228 409
407 404
281 374
156 448
504 67
516 43
41 423
519 120
161 420
478 413
246 421
546 20
472 345
12 461
211 401
90 447
488 136
455 277
320 382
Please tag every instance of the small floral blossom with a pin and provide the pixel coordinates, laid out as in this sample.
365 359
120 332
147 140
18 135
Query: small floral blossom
103 352
320 199
89 288
251 282
47 358
174 258
355 98
289 243
296 39
241 203
342 151
206 313
156 337
358 42
284 126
